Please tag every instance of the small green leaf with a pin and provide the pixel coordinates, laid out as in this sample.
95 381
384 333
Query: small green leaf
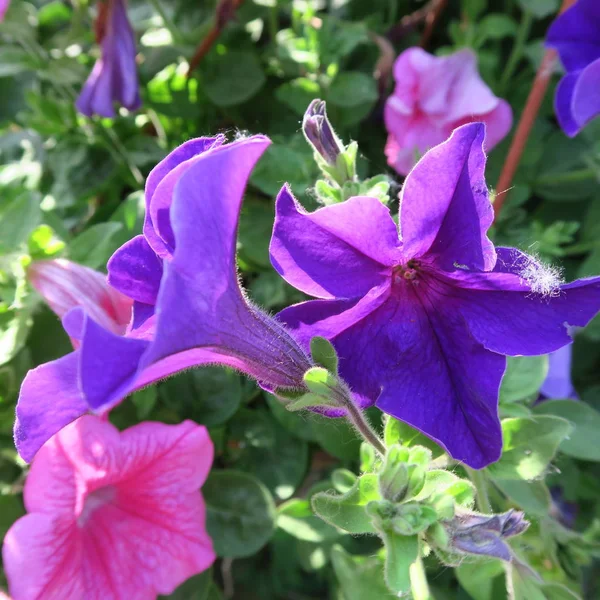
523 378
324 354
398 432
240 513
360 577
529 446
532 496
478 578
233 78
401 553
351 89
540 8
195 588
94 246
17 219
320 381
296 518
582 443
347 511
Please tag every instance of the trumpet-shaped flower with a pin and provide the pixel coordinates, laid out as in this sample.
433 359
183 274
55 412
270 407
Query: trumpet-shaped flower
112 515
433 96
422 317
114 76
576 36
188 308
64 285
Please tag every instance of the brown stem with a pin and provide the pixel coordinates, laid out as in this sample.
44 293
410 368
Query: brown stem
409 22
532 107
224 12
431 19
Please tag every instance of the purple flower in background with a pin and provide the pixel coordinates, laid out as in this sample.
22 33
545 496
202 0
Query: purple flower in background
188 307
114 76
422 320
576 36
558 381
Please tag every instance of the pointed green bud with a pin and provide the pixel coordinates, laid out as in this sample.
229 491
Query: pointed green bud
438 537
412 518
394 477
416 480
368 458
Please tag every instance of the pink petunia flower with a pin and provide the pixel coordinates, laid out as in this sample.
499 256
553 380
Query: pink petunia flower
433 96
64 285
112 515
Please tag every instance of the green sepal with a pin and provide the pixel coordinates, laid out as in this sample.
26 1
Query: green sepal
324 354
347 511
310 401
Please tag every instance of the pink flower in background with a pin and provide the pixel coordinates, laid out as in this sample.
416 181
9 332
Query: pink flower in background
64 285
112 515
433 96
3 8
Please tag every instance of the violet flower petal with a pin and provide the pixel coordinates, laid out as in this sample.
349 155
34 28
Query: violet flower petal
445 209
586 95
340 250
136 271
50 399
114 76
563 102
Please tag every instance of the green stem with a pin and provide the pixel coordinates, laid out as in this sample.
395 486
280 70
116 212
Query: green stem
518 49
570 177
168 22
362 425
273 21
483 500
418 581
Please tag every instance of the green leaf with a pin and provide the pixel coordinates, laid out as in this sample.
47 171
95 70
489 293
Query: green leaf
14 327
298 93
529 446
324 354
532 496
583 441
95 245
240 513
320 381
296 518
347 511
523 378
233 78
336 436
540 8
495 26
256 224
360 577
351 89
210 395
14 60
398 432
11 509
18 218
260 446
401 553
195 588
478 578
297 424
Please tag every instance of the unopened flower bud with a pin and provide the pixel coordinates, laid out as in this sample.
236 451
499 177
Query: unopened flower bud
320 134
472 533
64 285
394 476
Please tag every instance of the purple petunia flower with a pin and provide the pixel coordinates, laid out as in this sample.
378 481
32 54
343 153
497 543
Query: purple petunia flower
421 320
188 307
558 382
576 36
114 76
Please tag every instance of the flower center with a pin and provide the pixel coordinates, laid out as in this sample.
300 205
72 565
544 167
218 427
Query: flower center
95 500
408 272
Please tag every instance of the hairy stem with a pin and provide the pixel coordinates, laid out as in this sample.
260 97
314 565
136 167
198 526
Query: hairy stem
361 424
481 492
418 581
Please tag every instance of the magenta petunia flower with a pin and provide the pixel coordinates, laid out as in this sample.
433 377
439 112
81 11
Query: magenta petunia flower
112 514
64 285
114 76
188 308
4 4
433 96
575 34
421 320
